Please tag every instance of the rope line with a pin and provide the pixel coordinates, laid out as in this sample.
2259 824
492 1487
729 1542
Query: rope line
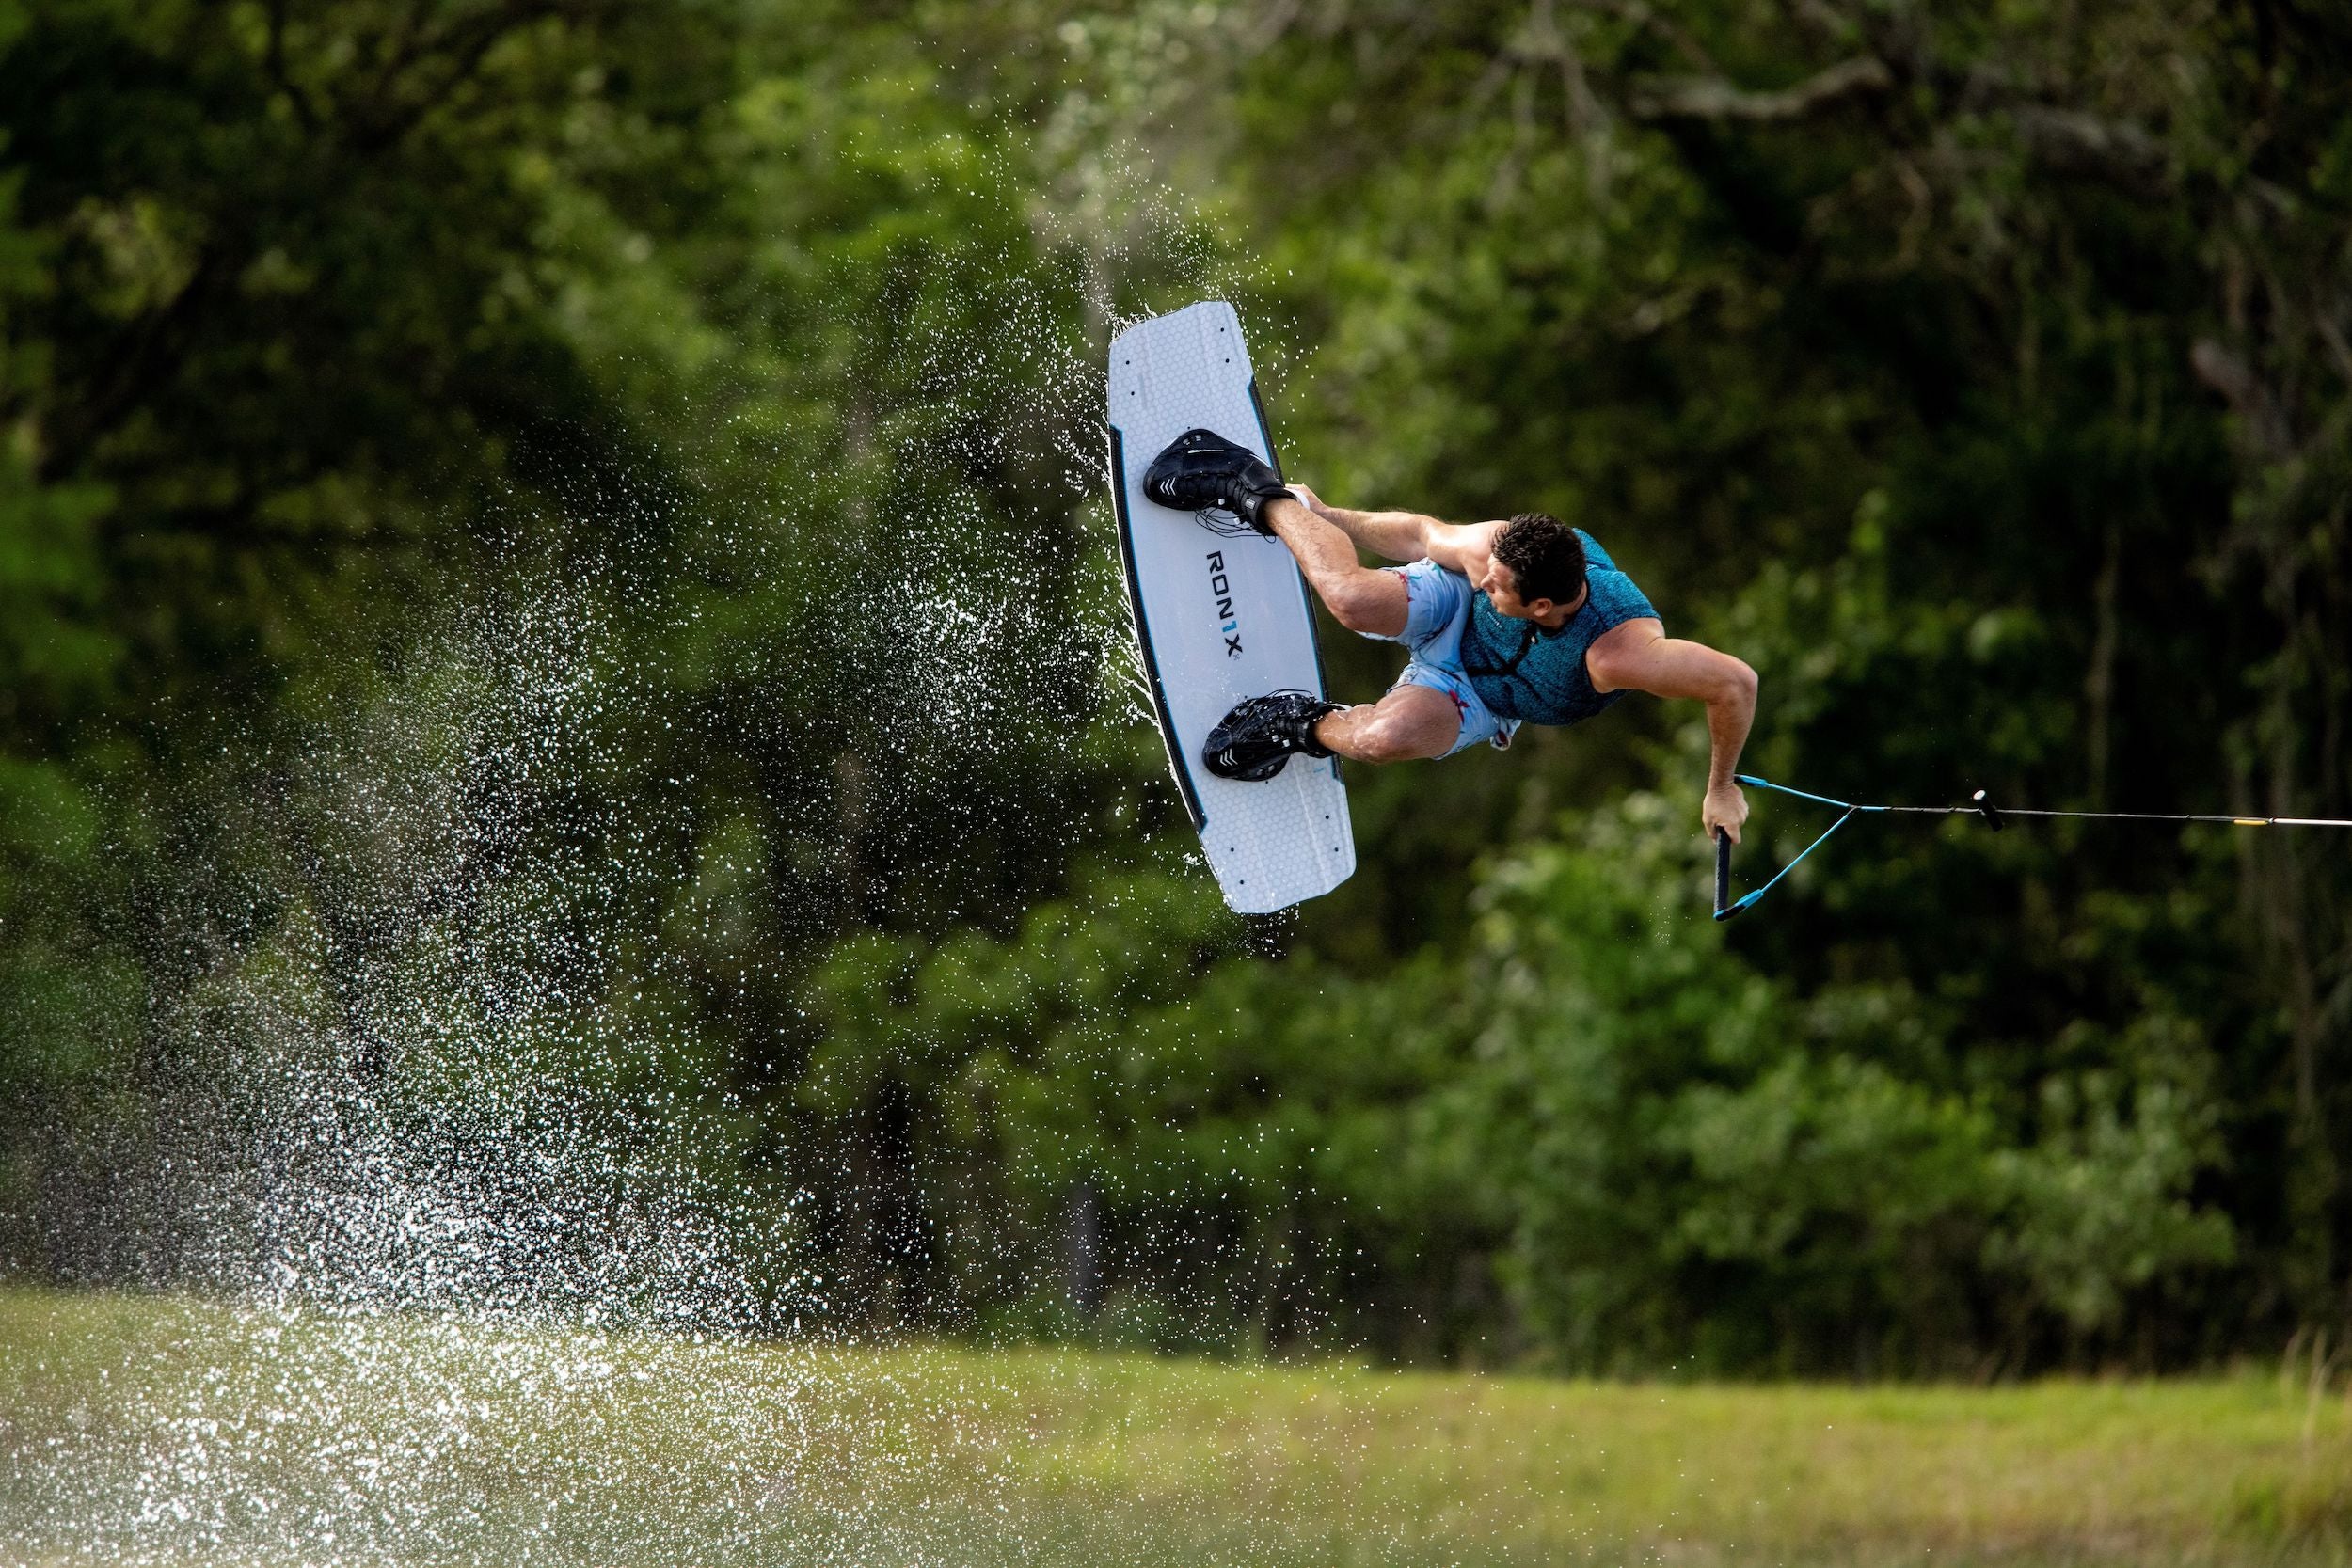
1979 806
1996 816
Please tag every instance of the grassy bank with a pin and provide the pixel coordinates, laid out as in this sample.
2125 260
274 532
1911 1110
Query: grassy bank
167 1430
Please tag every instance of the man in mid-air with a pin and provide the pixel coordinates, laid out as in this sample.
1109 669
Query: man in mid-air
1527 621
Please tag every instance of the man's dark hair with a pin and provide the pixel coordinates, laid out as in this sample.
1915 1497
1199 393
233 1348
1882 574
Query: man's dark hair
1546 558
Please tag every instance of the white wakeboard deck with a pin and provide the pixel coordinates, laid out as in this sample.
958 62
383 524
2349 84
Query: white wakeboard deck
1220 619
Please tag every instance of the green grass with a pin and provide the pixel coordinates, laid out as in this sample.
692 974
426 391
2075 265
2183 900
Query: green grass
176 1431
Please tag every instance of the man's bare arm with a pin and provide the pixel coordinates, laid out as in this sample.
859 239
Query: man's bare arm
1406 535
1640 657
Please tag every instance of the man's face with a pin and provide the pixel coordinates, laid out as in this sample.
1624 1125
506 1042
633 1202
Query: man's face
1501 588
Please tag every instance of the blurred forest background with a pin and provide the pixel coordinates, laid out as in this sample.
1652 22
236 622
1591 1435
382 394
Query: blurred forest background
567 539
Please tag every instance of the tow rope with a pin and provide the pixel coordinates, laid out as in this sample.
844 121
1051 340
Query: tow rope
1978 805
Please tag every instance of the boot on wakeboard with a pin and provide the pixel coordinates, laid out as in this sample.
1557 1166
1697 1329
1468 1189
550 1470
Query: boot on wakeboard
1261 734
1201 472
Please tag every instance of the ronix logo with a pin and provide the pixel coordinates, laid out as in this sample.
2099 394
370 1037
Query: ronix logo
1222 587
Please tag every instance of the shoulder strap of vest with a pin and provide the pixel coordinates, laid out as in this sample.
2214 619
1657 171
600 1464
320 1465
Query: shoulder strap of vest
1527 641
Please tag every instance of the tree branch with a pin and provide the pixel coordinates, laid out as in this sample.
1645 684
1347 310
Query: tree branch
463 46
2070 139
2258 412
1641 15
1713 98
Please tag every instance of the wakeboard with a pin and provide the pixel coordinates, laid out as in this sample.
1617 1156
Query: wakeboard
1220 618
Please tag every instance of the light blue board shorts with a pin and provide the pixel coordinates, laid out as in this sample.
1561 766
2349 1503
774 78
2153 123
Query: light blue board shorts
1437 606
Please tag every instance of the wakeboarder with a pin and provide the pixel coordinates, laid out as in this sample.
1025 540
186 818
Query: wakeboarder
1520 620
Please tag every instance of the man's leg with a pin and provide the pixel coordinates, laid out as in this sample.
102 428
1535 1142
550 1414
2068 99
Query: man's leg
1362 598
1411 721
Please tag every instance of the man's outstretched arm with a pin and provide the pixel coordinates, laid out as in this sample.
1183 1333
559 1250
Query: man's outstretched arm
1403 535
1640 657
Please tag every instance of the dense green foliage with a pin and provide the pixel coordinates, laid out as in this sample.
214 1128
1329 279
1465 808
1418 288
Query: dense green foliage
1976 373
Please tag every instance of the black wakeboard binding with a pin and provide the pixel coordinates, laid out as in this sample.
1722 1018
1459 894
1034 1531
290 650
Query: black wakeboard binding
1204 473
1261 734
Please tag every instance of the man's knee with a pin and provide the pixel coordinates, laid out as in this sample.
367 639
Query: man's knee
1399 738
1369 603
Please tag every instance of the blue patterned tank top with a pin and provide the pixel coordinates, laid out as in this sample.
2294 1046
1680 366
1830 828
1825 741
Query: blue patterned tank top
1525 673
